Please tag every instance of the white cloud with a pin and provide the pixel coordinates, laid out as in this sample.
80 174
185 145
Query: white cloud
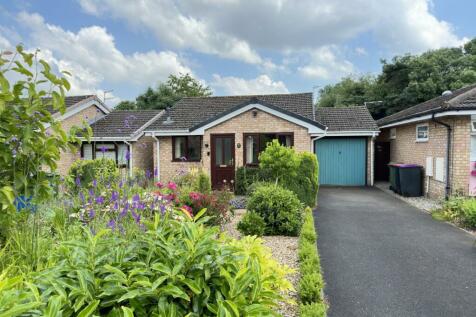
93 58
361 51
4 44
327 64
238 29
262 84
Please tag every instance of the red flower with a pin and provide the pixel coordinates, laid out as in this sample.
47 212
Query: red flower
195 196
172 186
159 184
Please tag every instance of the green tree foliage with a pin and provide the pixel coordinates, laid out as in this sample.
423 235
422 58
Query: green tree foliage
29 149
168 93
406 80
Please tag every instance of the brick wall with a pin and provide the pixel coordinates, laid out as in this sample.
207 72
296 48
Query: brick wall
143 154
243 123
405 149
67 158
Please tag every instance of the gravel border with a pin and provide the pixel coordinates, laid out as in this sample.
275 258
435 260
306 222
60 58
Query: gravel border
284 250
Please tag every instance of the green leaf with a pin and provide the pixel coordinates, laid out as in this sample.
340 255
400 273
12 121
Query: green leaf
127 312
54 306
19 309
194 287
90 309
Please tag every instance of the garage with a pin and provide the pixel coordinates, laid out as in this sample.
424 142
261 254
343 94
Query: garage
342 161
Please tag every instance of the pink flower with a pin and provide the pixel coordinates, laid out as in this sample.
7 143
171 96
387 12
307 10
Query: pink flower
195 196
159 184
172 186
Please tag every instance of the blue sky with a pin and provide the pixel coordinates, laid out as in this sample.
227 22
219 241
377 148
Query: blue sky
235 47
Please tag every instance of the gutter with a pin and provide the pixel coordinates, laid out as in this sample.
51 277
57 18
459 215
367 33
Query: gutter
448 154
317 138
130 159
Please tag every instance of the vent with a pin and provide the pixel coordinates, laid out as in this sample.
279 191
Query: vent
168 120
447 93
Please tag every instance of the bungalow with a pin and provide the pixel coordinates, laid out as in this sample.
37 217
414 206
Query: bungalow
438 134
219 134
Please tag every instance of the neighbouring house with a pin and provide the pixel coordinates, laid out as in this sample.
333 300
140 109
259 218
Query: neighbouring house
79 109
219 134
438 134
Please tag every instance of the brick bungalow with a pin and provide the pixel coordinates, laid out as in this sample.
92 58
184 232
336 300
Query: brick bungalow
438 134
219 134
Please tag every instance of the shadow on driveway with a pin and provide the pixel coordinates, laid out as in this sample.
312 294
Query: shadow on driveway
383 257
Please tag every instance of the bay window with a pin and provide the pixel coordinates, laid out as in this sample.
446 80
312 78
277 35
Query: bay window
187 148
255 143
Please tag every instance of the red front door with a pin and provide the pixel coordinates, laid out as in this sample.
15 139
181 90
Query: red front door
223 160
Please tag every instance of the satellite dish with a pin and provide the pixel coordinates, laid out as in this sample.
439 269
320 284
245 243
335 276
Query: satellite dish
447 93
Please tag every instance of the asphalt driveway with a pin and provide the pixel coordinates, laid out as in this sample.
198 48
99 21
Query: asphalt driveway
383 257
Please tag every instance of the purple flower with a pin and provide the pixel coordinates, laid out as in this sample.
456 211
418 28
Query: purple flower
77 181
121 183
162 209
95 183
148 174
156 172
136 198
14 153
91 192
100 200
92 214
136 217
124 210
13 139
116 206
103 149
112 224
114 196
81 196
128 155
126 124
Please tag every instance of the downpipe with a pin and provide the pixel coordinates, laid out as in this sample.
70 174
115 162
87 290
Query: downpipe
448 155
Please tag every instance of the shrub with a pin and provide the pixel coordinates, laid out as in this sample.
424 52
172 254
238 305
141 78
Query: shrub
203 183
170 268
217 204
279 161
92 173
279 207
245 176
305 183
251 224
468 213
313 310
311 282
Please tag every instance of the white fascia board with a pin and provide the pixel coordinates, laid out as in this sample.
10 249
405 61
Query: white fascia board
167 132
311 128
78 108
429 116
353 133
95 139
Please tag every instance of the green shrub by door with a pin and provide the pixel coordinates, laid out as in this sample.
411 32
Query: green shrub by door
342 161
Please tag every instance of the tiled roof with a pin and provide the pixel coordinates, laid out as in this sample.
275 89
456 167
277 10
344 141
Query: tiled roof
190 112
346 118
461 99
122 123
70 101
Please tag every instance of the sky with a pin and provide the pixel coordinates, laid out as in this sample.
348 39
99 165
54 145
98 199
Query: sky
234 46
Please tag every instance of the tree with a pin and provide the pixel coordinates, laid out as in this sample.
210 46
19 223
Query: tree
126 105
168 93
406 80
31 140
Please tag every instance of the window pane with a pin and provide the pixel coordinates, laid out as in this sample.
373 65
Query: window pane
121 155
108 155
264 140
218 151
227 147
252 149
422 132
179 148
88 151
194 148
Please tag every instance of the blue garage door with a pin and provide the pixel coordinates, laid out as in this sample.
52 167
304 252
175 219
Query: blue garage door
342 161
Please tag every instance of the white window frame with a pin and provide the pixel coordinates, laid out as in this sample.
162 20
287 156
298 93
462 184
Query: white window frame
393 133
427 132
473 125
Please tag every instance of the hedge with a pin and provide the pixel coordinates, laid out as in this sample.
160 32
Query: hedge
311 283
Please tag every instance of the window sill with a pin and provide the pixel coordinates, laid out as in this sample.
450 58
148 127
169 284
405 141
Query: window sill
186 161
421 141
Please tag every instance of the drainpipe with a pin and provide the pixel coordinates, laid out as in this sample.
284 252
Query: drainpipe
158 156
130 159
317 138
372 150
448 154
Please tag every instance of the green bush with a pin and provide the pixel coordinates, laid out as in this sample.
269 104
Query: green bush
313 310
468 213
203 183
251 224
311 282
305 183
245 176
84 173
170 268
280 208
